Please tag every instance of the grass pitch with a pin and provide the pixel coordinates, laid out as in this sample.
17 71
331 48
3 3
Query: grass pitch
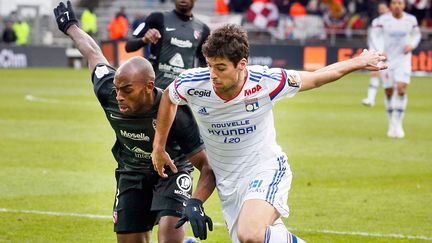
351 183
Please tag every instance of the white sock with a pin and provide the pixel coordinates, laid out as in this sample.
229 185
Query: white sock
400 105
278 233
388 104
372 89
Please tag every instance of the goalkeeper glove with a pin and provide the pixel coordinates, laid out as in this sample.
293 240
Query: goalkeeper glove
194 213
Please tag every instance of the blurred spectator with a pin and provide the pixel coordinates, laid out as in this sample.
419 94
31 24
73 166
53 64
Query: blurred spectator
138 19
22 31
239 6
297 9
122 12
222 7
118 27
89 21
9 36
283 6
418 8
427 22
382 7
335 19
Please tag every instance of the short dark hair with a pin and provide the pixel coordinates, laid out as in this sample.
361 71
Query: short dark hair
229 41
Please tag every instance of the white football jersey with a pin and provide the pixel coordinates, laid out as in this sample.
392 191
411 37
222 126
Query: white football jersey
239 134
390 35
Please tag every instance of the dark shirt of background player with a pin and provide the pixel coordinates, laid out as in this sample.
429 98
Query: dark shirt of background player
175 40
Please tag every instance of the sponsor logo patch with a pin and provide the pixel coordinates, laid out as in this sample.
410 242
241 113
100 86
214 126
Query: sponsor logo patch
184 183
293 80
251 105
203 111
181 43
253 90
199 92
135 136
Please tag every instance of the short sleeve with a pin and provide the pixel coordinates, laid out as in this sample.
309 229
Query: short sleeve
102 78
284 84
175 92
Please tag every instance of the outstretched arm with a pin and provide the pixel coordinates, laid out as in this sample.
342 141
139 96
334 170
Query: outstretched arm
166 113
68 24
368 60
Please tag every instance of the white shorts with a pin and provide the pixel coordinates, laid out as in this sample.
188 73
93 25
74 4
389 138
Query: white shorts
271 183
396 75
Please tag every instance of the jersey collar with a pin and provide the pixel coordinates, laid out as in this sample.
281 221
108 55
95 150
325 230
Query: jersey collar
183 17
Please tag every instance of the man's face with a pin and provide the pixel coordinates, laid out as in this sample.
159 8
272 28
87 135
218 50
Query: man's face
397 7
132 94
225 76
382 8
184 6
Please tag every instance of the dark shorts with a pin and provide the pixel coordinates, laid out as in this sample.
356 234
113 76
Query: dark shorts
141 199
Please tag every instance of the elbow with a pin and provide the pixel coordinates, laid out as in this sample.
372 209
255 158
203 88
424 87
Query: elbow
129 47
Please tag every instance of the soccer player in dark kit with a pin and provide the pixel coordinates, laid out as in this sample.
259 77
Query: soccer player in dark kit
175 39
130 102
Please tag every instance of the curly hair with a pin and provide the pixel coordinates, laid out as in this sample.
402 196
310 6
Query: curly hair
229 41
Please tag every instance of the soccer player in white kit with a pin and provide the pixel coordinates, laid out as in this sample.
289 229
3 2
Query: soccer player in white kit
232 103
396 34
375 76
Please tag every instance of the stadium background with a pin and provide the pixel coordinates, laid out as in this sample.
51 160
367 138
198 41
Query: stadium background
351 183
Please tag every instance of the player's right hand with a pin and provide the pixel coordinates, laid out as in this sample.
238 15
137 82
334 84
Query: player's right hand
65 16
373 60
151 36
160 158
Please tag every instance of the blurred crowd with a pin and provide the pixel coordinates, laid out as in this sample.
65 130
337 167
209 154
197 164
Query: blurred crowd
342 17
286 19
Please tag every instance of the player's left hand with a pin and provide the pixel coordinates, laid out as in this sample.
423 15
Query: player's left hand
65 16
373 60
194 213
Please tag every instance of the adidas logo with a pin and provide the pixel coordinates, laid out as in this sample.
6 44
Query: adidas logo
203 111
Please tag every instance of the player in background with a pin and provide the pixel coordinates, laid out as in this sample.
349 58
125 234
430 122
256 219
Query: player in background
396 34
375 76
176 40
130 102
232 103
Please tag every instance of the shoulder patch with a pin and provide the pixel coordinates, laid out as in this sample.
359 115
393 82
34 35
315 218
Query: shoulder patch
293 80
101 71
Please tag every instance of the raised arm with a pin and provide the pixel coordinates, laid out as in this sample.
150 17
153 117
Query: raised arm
166 113
68 24
368 60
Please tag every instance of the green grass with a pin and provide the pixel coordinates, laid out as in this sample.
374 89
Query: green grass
348 176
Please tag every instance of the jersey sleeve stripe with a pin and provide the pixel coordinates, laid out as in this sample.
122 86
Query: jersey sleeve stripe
280 87
176 86
138 29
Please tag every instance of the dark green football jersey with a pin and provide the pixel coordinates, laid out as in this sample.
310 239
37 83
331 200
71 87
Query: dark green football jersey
135 133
